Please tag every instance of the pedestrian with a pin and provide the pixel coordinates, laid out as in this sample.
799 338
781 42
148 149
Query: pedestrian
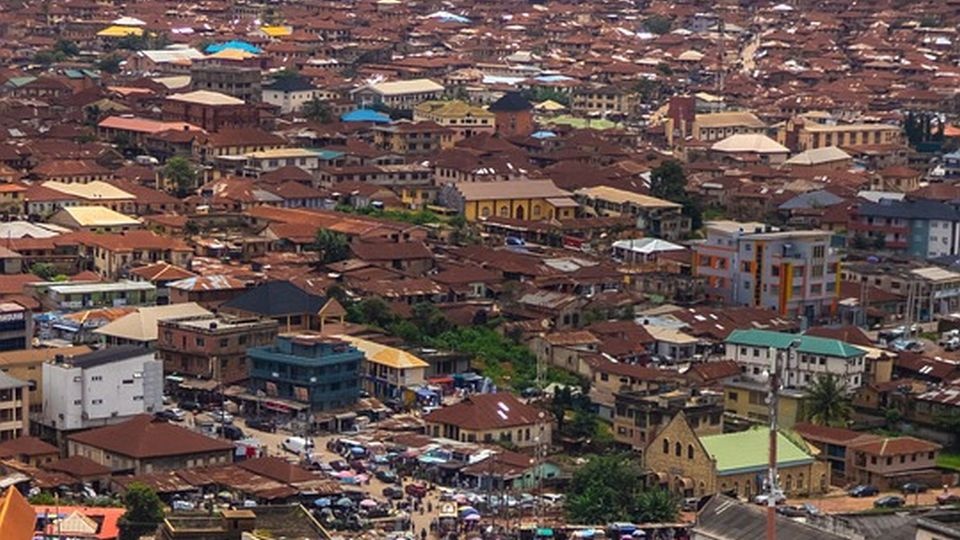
430 507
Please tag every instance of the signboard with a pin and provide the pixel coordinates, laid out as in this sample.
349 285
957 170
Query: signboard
448 510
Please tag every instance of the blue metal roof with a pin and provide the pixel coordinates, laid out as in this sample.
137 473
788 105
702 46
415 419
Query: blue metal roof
365 115
233 44
543 135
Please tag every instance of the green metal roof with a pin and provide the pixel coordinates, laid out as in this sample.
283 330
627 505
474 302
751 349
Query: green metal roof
808 344
747 451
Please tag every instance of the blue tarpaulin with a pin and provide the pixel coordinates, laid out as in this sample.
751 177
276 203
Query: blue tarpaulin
233 44
365 115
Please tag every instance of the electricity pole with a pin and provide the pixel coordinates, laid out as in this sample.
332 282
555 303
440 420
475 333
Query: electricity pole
772 453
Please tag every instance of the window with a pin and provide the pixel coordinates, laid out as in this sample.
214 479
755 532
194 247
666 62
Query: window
732 396
819 251
97 402
96 378
666 446
200 342
224 342
678 449
689 451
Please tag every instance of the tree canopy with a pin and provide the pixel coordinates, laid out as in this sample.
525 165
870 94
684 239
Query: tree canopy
828 403
610 488
333 246
144 512
317 110
181 172
668 181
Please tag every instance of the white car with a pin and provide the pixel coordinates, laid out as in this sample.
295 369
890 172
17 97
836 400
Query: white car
297 445
222 416
177 414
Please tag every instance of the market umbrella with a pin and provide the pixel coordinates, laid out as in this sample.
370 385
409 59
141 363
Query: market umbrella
344 502
368 503
468 510
321 502
471 517
345 474
361 478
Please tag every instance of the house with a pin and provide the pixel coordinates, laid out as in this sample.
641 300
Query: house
917 227
508 470
387 371
100 388
161 274
209 110
401 95
114 254
712 127
462 118
690 465
412 257
319 372
271 521
29 450
413 139
77 296
289 305
27 365
752 264
491 418
289 93
801 359
96 219
725 518
140 327
750 147
143 445
745 401
524 200
803 134
864 458
657 217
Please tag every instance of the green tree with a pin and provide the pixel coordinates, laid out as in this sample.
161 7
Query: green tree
287 73
828 403
66 47
668 181
144 512
373 311
182 173
44 271
429 320
317 110
605 490
110 63
657 24
656 506
44 498
333 246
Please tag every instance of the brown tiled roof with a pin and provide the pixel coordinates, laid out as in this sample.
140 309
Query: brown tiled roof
896 446
277 469
815 433
26 446
389 251
78 466
848 334
481 412
714 371
143 437
161 271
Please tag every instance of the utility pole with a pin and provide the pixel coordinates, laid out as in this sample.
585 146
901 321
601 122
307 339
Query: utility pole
772 453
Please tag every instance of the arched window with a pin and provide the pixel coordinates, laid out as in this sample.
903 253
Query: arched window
666 446
678 449
485 212
800 481
536 210
788 486
689 451
504 211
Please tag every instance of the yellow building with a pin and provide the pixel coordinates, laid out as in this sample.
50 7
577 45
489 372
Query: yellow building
491 418
386 370
803 134
27 365
525 200
464 119
747 400
692 465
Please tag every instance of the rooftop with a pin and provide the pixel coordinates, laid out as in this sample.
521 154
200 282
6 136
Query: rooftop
807 344
746 451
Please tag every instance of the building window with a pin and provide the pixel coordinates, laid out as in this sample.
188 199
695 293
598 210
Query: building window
666 446
678 449
689 451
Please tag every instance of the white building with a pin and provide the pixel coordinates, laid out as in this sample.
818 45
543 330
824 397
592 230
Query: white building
290 93
403 95
100 388
800 365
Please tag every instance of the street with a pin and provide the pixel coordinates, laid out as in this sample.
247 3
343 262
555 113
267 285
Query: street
838 502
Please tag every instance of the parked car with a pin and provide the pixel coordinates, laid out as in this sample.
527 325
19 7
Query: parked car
416 490
890 501
297 445
863 491
221 416
948 498
164 415
913 487
339 465
387 477
690 504
262 424
791 511
394 493
764 498
176 414
232 433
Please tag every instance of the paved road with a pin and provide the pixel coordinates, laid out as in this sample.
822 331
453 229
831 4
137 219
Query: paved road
839 502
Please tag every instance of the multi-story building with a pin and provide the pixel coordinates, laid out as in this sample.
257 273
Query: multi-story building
531 200
16 327
212 347
917 227
637 417
463 119
237 78
387 371
27 365
804 133
657 217
112 255
100 388
604 100
513 115
928 290
401 95
210 110
14 408
745 401
408 138
692 465
801 359
320 372
290 94
714 127
795 273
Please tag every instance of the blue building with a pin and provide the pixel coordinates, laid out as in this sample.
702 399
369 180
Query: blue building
306 371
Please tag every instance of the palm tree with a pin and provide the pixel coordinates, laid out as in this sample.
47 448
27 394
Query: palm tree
828 403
